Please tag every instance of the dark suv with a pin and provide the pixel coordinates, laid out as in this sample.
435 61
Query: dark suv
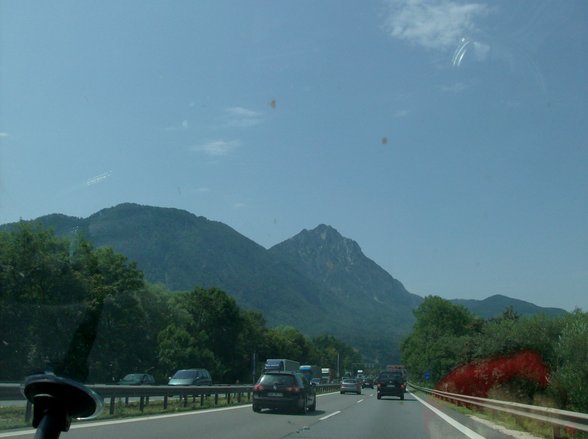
391 383
284 390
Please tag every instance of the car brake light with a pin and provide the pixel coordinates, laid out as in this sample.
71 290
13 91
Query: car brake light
258 388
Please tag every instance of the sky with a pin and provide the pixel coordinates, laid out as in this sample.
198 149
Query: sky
447 138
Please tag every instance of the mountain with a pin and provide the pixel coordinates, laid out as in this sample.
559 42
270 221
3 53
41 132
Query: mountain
184 251
317 281
376 307
495 305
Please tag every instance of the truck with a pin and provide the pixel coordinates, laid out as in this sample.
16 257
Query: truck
281 365
327 375
311 371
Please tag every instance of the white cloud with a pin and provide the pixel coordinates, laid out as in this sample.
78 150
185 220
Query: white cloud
433 24
238 205
217 147
243 117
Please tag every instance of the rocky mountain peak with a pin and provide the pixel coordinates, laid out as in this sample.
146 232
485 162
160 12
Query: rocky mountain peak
322 249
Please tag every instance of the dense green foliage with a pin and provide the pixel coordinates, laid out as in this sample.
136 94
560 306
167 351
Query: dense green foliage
317 280
87 313
447 336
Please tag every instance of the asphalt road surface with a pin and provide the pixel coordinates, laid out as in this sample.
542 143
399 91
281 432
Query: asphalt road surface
337 416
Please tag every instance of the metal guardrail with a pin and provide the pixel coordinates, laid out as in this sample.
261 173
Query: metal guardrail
114 393
557 418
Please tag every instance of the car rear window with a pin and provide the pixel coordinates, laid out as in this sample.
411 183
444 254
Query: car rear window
390 376
280 380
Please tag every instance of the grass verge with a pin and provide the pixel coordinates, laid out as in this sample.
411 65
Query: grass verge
14 417
516 423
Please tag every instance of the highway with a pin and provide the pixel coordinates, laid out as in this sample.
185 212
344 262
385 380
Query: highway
337 416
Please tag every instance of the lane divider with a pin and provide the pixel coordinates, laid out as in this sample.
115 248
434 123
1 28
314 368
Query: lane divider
460 427
329 416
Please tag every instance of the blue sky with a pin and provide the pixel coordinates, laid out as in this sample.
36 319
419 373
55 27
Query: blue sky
448 138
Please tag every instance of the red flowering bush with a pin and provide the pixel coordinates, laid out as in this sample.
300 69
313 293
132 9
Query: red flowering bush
526 368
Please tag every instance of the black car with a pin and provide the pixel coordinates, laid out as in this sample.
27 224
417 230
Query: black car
284 390
368 382
391 384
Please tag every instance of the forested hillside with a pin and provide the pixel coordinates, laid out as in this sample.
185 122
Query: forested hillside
87 313
317 281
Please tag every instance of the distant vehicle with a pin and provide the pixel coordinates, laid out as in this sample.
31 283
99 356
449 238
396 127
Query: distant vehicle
368 382
350 385
310 371
315 381
191 377
327 375
391 383
284 390
397 368
281 365
137 379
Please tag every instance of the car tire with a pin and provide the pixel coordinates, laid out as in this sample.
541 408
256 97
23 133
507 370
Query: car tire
379 396
312 408
303 408
256 409
342 392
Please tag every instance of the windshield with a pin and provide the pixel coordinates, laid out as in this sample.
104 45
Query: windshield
133 377
185 374
353 186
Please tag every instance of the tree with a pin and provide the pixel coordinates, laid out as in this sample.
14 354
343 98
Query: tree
288 342
441 338
569 379
180 349
110 278
41 299
214 313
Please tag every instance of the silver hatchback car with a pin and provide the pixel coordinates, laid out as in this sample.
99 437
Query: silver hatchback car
350 385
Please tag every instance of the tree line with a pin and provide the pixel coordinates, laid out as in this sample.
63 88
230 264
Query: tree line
88 313
449 341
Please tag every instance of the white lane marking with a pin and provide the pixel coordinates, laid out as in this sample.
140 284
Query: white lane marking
328 416
361 400
465 430
17 433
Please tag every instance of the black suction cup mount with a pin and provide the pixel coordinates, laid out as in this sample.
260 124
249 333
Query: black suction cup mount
56 401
